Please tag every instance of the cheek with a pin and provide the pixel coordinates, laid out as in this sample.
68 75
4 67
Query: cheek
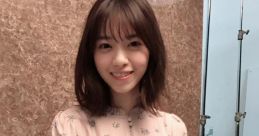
100 62
141 60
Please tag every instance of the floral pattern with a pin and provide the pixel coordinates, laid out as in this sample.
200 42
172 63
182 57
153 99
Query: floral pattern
116 124
76 122
91 123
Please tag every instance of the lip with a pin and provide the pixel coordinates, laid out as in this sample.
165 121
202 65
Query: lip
122 75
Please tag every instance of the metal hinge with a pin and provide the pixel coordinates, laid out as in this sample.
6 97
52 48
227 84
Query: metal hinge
241 34
239 116
203 119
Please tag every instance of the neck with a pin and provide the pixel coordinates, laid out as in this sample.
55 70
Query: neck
126 101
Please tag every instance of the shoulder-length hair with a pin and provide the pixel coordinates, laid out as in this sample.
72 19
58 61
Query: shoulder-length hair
91 90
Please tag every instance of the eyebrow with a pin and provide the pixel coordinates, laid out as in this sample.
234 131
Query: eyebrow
129 37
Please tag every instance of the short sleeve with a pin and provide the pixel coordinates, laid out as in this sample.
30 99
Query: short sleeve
176 126
69 123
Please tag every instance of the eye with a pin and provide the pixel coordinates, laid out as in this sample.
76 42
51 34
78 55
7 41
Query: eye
135 44
104 46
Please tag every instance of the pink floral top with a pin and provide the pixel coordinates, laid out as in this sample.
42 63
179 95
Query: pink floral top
76 122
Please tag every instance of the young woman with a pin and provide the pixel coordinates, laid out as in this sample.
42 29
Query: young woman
119 76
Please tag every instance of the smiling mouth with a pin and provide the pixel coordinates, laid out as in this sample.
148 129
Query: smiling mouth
121 75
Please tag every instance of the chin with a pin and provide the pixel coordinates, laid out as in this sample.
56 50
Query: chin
121 91
124 90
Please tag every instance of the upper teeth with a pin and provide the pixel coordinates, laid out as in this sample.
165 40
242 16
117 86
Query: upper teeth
121 74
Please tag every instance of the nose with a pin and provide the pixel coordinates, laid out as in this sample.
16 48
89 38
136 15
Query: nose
120 58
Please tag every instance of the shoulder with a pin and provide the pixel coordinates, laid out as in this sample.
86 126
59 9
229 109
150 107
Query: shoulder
71 114
174 124
74 111
68 121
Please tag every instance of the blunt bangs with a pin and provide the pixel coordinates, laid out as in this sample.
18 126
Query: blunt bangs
117 18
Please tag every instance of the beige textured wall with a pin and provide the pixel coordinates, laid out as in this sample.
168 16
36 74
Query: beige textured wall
38 46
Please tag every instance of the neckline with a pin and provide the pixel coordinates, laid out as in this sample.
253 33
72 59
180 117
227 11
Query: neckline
117 111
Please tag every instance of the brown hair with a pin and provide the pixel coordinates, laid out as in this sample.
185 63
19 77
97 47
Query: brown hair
91 90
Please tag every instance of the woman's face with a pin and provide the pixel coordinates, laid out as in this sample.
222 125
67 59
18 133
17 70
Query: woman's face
121 58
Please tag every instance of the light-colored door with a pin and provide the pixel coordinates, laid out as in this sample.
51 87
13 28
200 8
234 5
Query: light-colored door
223 57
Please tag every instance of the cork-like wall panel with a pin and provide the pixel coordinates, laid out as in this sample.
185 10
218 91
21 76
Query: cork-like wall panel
38 45
181 25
